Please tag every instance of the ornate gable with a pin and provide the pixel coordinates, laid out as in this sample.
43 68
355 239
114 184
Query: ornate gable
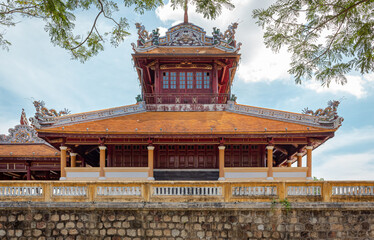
21 134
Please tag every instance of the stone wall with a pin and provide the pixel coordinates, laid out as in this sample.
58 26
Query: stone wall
186 221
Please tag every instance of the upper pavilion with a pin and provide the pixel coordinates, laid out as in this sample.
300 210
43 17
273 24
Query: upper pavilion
186 66
186 124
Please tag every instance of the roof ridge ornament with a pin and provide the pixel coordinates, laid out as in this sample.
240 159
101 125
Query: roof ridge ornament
187 34
227 39
44 115
329 114
21 134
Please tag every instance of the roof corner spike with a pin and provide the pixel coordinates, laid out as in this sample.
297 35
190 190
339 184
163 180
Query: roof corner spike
185 11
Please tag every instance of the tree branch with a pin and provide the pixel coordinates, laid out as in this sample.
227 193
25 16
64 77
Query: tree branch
337 15
99 34
331 42
92 29
17 10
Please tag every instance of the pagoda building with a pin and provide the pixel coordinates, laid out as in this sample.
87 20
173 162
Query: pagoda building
24 156
186 124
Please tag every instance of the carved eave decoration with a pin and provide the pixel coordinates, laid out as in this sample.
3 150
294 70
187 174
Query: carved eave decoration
285 116
94 115
187 35
231 106
328 115
21 134
184 66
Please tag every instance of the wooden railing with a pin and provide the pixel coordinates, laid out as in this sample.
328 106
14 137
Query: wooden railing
187 191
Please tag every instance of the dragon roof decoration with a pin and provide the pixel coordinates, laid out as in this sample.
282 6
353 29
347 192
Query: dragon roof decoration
45 116
187 34
329 114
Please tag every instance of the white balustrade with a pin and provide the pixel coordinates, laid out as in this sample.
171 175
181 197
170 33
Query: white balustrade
118 191
353 190
20 191
187 191
304 191
254 191
69 191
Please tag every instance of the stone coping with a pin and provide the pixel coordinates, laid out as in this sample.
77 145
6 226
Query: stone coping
198 206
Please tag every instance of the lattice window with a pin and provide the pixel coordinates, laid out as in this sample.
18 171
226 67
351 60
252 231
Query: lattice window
199 80
165 80
173 80
206 80
190 80
182 80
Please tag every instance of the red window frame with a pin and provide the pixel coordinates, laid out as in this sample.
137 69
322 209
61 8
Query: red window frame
186 81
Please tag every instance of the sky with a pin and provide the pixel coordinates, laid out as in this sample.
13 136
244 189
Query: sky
35 69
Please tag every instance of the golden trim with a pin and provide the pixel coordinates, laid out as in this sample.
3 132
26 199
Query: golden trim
126 169
246 169
82 169
189 66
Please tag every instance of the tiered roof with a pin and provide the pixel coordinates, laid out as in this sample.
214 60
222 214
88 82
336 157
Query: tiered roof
216 118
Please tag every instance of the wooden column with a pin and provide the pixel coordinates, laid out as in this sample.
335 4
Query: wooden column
150 162
102 162
109 156
28 168
73 159
215 79
221 159
158 80
309 162
270 162
289 163
63 162
299 159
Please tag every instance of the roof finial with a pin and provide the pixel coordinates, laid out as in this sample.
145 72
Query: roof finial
185 11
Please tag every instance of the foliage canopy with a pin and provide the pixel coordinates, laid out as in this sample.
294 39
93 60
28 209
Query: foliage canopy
60 20
327 38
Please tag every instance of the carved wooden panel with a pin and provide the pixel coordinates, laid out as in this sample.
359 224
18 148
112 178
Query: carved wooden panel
243 156
186 157
130 156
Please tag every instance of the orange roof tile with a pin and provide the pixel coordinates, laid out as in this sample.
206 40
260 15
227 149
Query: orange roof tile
186 123
23 150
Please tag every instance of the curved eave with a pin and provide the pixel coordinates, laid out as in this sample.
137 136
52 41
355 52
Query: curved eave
267 133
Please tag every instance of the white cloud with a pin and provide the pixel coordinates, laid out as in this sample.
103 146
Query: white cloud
166 13
162 31
369 77
264 65
6 124
355 86
342 157
359 166
344 139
